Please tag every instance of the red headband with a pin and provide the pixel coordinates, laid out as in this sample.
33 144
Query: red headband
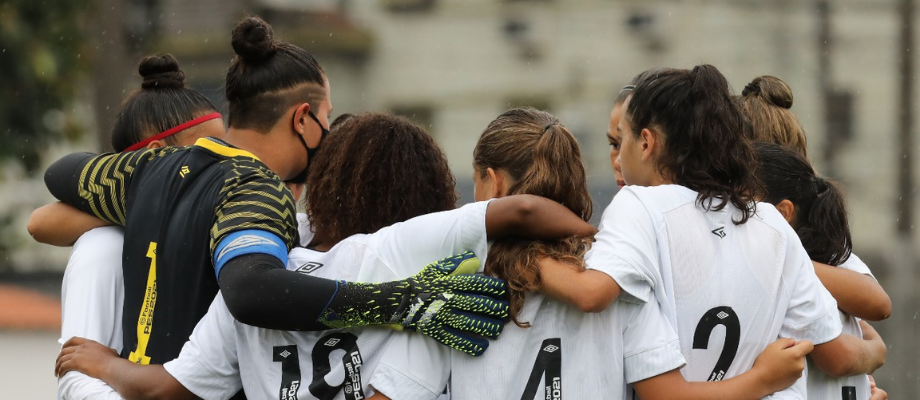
173 131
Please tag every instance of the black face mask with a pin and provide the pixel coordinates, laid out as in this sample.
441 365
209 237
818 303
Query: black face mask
311 152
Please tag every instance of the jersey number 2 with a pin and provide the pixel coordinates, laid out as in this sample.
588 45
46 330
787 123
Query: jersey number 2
351 361
549 367
719 316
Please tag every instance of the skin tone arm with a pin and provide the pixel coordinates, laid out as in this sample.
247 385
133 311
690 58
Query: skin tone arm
132 381
589 290
59 224
777 368
848 355
533 217
856 294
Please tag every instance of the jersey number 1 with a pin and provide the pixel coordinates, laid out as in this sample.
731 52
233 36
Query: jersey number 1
719 316
549 367
351 362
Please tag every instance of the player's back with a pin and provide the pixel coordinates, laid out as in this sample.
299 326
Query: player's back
731 289
567 354
175 209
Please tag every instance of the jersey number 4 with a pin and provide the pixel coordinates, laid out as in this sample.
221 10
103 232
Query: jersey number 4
719 316
549 367
351 362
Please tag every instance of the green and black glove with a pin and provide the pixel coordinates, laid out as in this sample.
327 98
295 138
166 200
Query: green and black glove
446 301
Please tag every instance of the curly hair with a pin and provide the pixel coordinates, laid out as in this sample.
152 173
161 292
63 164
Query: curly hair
705 148
542 158
375 170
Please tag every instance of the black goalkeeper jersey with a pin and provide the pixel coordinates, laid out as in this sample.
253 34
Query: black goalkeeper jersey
176 205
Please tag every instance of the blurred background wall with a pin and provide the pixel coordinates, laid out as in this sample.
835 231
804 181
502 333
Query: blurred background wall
453 66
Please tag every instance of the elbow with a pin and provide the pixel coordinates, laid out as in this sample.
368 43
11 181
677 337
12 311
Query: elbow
881 309
591 304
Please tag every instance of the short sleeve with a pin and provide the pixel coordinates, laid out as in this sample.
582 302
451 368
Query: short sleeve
626 247
304 229
208 364
435 235
812 313
855 264
254 199
650 345
77 386
412 367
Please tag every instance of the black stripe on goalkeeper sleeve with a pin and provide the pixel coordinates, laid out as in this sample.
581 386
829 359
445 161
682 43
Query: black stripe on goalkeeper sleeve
63 179
260 292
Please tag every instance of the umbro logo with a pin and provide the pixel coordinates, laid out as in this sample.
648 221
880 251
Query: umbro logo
331 342
551 348
184 171
309 267
285 354
722 315
720 232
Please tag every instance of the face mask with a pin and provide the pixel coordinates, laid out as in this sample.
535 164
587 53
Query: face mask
311 153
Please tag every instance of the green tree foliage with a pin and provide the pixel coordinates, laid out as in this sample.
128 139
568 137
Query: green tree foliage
41 47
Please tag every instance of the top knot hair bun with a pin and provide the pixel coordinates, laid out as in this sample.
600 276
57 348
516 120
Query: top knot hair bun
160 72
252 40
771 89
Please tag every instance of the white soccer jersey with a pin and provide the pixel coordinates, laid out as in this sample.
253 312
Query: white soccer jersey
224 354
822 386
729 289
92 296
567 354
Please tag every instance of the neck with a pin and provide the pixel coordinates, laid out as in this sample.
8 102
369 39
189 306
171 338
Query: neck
265 146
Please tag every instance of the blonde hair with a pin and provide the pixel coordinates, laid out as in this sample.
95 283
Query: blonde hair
766 102
541 157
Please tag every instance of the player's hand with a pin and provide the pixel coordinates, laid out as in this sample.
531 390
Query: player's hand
454 307
83 355
782 363
876 393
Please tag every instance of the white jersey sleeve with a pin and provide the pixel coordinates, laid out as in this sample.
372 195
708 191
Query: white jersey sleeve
855 264
812 311
430 237
626 247
412 367
650 345
92 295
208 364
304 229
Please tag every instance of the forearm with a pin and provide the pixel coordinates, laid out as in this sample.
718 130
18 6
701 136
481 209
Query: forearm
59 224
672 386
142 382
533 217
848 355
856 294
589 290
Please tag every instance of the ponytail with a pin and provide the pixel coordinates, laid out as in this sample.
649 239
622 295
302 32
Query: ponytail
820 210
541 157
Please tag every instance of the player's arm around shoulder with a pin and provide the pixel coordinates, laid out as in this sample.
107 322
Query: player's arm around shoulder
59 224
590 290
856 291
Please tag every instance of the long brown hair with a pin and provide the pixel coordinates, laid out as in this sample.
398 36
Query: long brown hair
704 145
541 157
766 103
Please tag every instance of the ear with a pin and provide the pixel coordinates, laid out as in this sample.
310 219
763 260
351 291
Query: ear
300 118
156 144
499 181
647 140
787 209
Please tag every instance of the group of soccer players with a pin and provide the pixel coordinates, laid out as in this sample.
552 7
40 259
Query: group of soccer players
722 262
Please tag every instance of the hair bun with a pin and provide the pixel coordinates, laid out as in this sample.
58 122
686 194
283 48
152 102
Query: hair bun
771 89
161 72
252 40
